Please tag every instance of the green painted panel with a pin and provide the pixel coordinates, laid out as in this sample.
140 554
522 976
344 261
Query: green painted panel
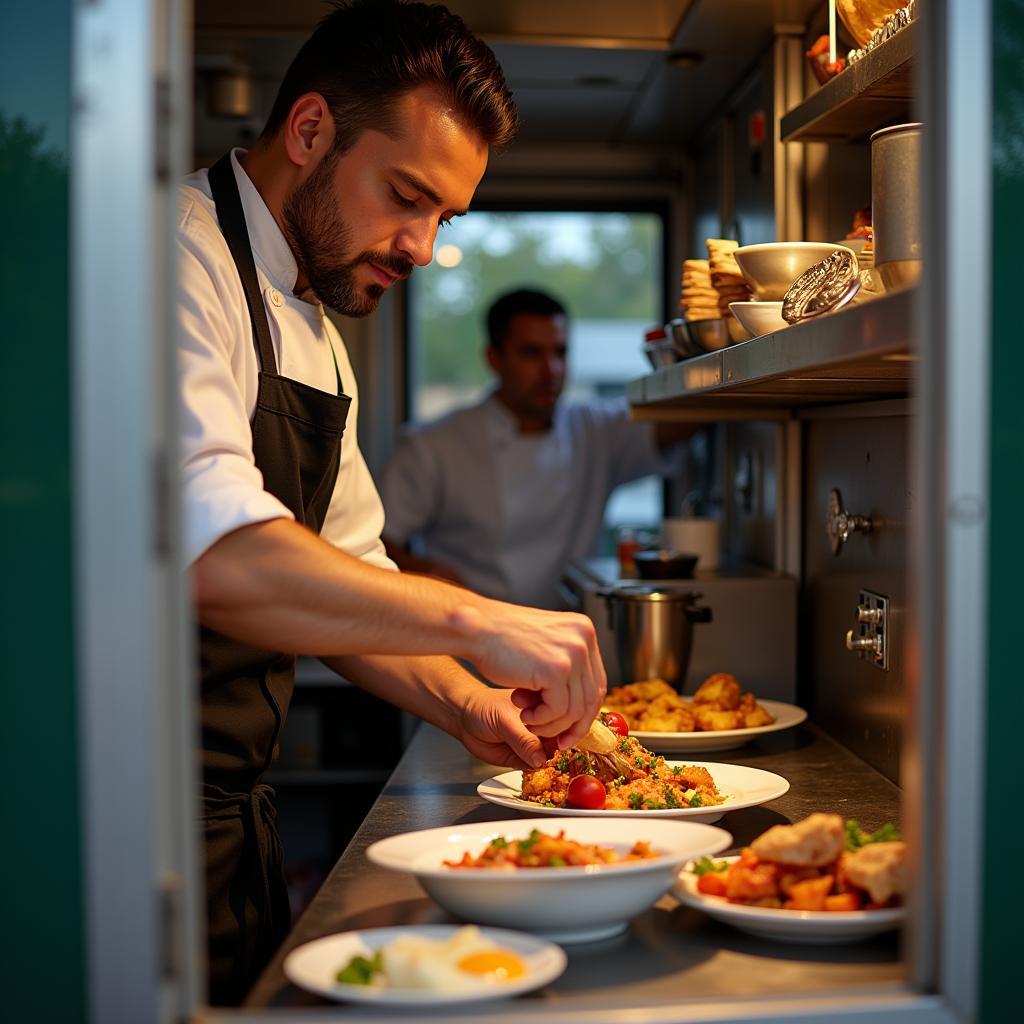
40 861
1004 829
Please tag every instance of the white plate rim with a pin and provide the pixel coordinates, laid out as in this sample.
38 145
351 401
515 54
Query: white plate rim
795 714
839 921
551 967
731 804
377 853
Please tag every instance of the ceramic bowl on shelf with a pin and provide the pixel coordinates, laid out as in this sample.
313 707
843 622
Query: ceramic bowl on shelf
563 904
759 317
771 267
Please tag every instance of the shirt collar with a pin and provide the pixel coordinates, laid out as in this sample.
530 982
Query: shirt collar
269 246
507 425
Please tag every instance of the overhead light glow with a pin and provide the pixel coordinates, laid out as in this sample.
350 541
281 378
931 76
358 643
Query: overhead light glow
449 256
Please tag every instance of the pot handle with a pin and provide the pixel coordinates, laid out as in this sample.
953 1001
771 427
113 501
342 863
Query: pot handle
698 614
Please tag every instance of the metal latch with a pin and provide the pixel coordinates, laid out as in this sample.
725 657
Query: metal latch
840 523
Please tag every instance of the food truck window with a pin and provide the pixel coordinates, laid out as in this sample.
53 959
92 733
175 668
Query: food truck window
606 267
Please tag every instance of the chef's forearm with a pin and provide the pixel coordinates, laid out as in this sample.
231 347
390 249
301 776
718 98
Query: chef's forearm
432 688
278 586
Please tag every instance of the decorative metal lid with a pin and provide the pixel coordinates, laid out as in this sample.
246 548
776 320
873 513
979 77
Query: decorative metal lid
825 287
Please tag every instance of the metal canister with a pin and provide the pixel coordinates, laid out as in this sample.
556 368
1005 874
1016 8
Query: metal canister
653 627
896 204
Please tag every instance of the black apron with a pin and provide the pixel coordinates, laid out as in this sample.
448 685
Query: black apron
245 691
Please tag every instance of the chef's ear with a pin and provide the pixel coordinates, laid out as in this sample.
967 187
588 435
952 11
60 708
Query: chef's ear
308 130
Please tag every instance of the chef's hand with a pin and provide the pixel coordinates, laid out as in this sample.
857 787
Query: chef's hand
553 656
490 728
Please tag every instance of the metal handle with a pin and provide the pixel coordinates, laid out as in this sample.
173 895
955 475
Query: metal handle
840 523
698 614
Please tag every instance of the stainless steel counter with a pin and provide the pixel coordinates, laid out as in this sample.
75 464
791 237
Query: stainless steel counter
673 964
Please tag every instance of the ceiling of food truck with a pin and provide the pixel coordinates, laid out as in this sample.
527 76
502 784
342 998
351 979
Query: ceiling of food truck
586 71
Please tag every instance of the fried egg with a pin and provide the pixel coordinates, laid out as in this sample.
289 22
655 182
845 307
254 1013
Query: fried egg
466 960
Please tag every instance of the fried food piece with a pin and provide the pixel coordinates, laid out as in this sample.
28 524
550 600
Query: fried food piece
880 869
650 689
712 719
813 842
667 717
757 716
721 690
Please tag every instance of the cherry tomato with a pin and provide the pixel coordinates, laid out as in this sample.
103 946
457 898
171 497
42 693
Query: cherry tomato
586 792
616 722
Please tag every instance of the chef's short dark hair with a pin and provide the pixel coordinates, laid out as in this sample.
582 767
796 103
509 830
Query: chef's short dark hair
523 300
366 54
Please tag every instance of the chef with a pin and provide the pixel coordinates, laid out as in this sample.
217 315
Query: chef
379 134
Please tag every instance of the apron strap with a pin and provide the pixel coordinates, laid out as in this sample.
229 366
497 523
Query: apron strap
232 223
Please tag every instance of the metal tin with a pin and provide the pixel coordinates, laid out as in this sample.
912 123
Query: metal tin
823 288
895 203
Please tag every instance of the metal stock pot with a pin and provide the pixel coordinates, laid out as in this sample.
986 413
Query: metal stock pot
653 628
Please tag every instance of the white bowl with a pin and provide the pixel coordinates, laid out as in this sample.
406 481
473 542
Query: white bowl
770 268
759 317
570 904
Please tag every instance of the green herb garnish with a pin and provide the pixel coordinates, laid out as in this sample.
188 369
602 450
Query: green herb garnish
695 800
636 801
856 837
556 862
499 842
706 864
527 844
653 805
360 971
670 797
562 764
624 745
677 769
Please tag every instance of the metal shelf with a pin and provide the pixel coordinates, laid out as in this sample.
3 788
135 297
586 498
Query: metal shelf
861 353
876 91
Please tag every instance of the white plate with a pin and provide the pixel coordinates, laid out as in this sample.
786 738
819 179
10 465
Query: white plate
788 925
741 786
315 965
786 716
567 904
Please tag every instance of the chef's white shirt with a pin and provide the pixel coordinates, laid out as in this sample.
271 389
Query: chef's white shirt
219 378
508 510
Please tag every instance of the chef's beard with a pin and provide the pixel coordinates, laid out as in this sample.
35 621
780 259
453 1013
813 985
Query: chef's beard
317 234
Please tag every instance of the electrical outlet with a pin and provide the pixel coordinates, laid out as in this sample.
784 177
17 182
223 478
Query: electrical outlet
869 639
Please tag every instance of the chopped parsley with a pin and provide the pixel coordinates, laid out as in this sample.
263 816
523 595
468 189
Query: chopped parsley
360 970
527 844
677 770
624 745
499 843
653 763
638 761
555 861
856 837
706 864
619 782
670 797
653 805
695 800
636 801
562 764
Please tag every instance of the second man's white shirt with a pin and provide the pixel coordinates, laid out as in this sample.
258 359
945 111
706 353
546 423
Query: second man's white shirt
508 510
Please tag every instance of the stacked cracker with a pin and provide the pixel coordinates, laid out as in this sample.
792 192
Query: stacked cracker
710 285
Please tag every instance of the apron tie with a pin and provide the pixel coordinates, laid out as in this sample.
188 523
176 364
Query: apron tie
261 818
